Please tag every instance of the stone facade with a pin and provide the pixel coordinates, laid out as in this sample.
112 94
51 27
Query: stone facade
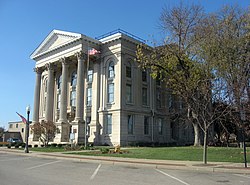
119 103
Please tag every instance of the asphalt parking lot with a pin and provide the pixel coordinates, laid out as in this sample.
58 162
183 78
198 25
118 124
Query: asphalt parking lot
29 170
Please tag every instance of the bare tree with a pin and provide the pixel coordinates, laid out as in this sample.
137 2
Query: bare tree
45 131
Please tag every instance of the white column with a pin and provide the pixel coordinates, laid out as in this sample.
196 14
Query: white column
50 93
79 87
63 99
37 95
94 124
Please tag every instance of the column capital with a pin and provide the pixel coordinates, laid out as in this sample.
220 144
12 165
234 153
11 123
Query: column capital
37 70
80 55
64 60
49 66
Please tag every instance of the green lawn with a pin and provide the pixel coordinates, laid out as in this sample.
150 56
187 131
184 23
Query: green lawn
48 149
215 154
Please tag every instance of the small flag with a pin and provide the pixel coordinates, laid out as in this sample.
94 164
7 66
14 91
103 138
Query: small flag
93 51
23 118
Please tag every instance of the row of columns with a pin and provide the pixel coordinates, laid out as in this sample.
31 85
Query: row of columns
50 91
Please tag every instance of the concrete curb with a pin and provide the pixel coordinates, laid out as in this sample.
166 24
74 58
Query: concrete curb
159 164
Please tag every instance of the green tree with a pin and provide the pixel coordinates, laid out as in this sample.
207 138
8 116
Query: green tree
188 74
172 60
225 42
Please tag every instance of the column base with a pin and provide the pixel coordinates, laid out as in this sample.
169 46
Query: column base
62 132
77 134
94 132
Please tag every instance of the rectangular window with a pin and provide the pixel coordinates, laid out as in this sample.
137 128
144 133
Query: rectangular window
130 124
146 125
128 93
90 76
58 100
128 71
160 126
89 96
158 81
22 130
158 98
16 125
144 96
73 98
110 93
108 124
170 101
144 76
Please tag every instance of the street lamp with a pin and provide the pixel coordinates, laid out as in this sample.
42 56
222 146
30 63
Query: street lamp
27 130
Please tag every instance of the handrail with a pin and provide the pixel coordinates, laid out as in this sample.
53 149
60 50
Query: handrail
120 31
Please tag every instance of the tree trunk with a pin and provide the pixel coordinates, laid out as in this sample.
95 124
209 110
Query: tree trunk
205 148
197 140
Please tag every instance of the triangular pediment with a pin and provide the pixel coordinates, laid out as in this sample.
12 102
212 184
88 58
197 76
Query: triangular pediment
54 40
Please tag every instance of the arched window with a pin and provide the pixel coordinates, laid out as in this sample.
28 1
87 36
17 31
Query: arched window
111 70
73 89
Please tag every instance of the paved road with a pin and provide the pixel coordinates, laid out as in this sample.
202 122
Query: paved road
27 170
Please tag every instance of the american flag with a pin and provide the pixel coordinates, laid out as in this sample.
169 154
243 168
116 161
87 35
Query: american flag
23 118
93 51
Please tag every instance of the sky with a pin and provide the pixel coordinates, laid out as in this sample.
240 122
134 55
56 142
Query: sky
25 23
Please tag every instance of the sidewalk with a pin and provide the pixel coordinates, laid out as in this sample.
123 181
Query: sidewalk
226 167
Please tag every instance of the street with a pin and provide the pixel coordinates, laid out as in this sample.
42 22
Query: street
27 170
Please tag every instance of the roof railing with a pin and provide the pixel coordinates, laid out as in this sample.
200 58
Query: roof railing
120 31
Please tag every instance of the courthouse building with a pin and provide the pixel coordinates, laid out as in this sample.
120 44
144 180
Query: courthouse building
81 80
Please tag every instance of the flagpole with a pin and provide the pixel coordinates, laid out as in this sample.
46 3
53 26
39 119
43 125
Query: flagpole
85 127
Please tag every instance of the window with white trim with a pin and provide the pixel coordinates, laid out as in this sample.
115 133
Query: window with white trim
108 120
90 76
146 125
89 96
128 70
73 89
111 70
128 93
59 87
130 124
160 126
144 96
110 92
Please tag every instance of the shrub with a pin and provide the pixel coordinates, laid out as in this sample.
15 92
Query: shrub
35 146
104 150
17 145
12 144
1 145
53 144
9 146
23 145
59 145
42 145
30 146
